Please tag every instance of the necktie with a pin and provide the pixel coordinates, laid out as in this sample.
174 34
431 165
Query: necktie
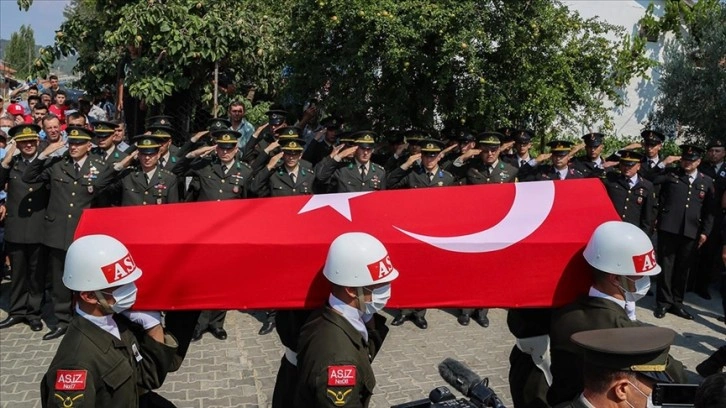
146 175
651 163
162 162
224 169
363 171
489 171
431 176
292 177
631 183
522 163
78 168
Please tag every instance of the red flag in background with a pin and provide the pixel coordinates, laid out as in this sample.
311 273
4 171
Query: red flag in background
504 245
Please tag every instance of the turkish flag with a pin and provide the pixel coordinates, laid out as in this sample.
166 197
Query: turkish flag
504 245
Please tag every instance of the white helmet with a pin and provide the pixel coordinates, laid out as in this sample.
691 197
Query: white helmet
357 259
96 262
621 248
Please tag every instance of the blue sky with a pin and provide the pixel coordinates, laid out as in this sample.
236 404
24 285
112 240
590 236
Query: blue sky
45 16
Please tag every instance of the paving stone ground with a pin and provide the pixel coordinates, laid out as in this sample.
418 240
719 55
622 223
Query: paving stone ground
240 372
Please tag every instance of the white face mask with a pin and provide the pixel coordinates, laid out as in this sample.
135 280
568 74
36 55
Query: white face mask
649 398
642 286
125 297
5 129
379 298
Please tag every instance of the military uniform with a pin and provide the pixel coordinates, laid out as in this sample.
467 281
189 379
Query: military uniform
548 172
94 368
635 204
348 177
500 172
587 313
160 189
278 183
527 382
110 197
71 192
25 205
686 211
334 361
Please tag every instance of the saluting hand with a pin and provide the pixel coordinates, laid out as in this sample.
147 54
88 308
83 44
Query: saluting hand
400 149
506 146
201 152
469 154
259 130
671 159
348 152
198 135
411 160
9 152
632 146
53 147
272 146
274 160
126 161
542 157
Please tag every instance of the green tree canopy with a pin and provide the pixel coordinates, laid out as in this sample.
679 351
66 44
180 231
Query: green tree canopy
21 51
693 86
376 62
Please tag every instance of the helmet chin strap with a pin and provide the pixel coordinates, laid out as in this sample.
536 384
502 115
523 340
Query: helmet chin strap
105 307
361 300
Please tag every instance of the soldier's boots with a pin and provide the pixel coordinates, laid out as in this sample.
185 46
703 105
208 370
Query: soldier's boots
714 364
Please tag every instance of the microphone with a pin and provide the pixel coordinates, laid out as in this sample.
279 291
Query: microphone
458 375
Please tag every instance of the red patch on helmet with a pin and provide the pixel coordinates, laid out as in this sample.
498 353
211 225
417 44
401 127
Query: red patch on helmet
70 380
380 269
341 376
120 269
644 263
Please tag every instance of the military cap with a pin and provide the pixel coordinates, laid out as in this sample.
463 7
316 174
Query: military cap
219 124
465 136
147 144
289 132
276 115
226 136
523 136
507 133
22 133
652 137
715 143
77 134
691 152
394 136
593 139
431 146
292 144
489 139
414 135
331 122
630 157
160 126
560 147
364 138
346 138
642 350
104 129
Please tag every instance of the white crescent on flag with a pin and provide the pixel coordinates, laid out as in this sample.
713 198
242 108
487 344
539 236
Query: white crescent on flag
532 204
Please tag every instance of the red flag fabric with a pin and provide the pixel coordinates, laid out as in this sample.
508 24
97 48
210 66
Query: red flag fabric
504 245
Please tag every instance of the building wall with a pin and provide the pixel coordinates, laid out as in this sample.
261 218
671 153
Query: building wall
641 93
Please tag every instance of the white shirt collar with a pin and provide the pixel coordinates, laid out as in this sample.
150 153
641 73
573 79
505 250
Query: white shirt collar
596 293
150 173
81 161
105 322
351 314
634 180
585 402
367 165
562 173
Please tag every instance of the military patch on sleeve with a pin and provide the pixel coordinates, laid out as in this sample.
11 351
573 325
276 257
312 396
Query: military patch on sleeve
339 397
70 380
67 401
341 376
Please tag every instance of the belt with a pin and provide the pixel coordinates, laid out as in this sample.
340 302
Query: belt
291 356
538 347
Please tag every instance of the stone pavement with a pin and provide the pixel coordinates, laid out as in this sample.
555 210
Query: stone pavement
240 372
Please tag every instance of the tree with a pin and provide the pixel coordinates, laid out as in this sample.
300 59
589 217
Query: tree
693 85
20 52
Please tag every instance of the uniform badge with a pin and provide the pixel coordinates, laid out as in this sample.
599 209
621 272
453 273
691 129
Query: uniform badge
235 189
68 401
701 195
342 376
70 380
339 398
639 200
440 183
90 189
135 351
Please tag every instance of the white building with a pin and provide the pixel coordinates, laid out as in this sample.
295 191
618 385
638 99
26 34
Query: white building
641 94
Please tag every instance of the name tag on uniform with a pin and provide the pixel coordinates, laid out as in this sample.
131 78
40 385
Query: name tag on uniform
70 380
341 376
137 355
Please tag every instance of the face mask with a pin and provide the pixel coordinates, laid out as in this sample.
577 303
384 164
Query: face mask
642 286
379 298
5 129
649 398
125 297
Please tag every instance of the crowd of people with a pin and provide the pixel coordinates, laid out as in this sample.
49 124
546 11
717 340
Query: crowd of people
57 163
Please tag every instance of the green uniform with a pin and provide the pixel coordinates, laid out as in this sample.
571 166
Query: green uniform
334 361
481 173
110 197
93 368
417 178
347 178
214 183
278 183
135 190
587 313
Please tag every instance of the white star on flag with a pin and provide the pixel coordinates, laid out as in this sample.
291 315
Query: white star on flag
338 202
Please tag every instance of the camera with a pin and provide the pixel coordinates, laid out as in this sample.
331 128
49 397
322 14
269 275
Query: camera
674 395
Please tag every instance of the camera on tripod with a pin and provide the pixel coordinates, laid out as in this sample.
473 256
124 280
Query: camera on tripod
466 382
